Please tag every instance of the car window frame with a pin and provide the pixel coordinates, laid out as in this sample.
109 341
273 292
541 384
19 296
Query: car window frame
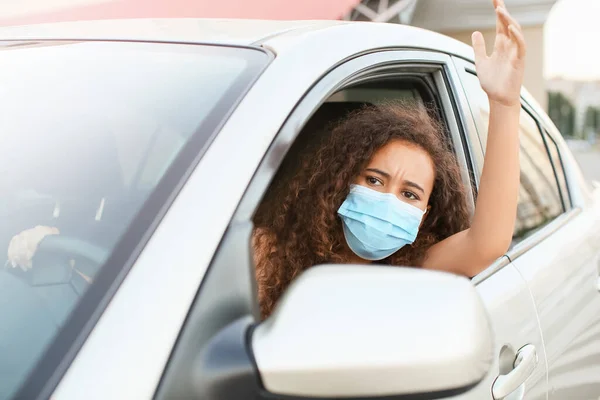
564 196
551 133
453 97
570 211
565 191
383 64
525 107
464 67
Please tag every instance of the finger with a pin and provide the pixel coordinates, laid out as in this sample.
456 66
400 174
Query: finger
479 46
501 26
506 18
498 3
517 36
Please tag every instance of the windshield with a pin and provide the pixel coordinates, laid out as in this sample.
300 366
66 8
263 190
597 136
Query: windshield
88 130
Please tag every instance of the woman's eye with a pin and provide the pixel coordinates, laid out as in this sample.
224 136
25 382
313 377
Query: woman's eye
373 181
410 195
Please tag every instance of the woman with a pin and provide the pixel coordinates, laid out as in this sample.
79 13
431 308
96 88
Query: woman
385 187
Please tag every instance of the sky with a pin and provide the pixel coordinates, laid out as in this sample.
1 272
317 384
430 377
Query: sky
572 40
18 8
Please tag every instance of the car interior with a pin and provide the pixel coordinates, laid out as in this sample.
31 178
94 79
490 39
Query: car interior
90 187
87 195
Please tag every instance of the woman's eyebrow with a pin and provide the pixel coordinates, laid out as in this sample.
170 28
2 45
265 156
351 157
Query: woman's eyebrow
380 172
414 185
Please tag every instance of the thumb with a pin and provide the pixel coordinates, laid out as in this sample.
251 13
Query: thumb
479 46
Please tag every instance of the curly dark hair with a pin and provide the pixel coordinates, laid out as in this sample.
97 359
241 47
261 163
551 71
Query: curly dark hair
297 225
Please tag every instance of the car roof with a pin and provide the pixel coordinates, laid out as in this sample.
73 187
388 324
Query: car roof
221 31
278 35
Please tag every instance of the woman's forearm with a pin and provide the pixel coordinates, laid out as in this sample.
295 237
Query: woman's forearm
501 76
496 207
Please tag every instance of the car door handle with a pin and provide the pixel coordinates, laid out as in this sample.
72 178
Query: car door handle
523 367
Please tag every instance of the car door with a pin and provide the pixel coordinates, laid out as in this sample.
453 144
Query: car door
552 249
502 288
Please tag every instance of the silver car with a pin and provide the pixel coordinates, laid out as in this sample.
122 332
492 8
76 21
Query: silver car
148 144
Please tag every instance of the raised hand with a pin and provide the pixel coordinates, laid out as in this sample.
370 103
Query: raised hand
501 73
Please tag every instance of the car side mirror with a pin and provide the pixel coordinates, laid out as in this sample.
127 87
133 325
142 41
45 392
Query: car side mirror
374 331
349 332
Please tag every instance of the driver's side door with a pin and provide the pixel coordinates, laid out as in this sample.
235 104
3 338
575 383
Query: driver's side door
503 290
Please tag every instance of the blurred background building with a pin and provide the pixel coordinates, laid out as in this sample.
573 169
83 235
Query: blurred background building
459 18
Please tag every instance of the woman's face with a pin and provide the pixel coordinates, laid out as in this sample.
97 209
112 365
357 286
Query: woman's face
403 169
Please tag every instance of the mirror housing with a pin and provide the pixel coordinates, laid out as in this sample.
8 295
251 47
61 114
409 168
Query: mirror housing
346 331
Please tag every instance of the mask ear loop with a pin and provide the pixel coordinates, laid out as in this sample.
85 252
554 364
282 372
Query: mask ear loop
425 214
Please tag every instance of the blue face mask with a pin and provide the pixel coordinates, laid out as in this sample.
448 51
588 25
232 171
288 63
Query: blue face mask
376 225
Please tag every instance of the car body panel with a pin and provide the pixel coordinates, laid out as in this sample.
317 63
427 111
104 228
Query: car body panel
190 30
562 272
354 38
280 36
515 324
